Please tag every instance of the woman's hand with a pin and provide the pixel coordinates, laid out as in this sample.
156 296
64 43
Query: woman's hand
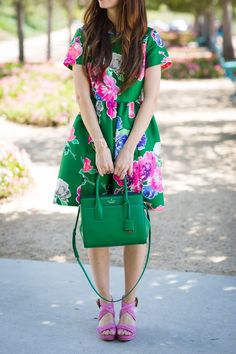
104 161
124 163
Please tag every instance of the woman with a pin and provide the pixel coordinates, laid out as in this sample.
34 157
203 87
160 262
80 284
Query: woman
115 134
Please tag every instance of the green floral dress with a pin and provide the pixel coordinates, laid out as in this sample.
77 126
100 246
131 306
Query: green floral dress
116 114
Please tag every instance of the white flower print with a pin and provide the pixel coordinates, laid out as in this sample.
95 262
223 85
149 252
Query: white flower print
115 62
157 149
99 107
62 191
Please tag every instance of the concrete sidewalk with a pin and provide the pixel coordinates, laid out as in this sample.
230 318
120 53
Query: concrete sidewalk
48 308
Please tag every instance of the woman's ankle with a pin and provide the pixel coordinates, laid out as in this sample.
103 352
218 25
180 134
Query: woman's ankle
129 300
107 296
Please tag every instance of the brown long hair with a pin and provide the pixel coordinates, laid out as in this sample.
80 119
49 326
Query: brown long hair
131 27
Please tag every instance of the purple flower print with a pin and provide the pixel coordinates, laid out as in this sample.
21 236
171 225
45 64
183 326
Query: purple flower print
133 180
111 108
118 123
149 192
147 165
142 142
119 142
156 37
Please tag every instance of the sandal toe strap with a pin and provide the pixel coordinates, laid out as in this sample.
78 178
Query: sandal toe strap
130 328
106 327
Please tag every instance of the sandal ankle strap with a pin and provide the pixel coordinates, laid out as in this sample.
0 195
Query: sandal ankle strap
129 307
134 303
105 308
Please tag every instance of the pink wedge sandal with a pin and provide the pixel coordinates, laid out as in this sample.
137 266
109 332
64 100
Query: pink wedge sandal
105 308
130 308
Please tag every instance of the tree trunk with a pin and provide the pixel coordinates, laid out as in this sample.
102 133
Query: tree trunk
208 27
49 28
20 33
228 50
197 24
68 6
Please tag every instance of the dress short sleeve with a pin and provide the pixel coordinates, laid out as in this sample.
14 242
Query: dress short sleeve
74 53
156 52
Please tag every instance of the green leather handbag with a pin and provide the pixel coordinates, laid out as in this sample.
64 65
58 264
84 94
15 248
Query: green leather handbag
112 220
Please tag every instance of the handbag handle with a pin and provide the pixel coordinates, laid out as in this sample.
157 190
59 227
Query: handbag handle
87 276
128 222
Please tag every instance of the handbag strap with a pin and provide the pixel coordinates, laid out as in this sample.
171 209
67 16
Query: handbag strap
87 276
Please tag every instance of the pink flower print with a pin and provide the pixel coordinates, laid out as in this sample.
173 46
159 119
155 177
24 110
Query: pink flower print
111 108
147 165
71 134
74 52
156 182
166 63
78 194
108 90
116 191
89 139
133 181
87 167
131 110
137 188
119 181
110 82
141 75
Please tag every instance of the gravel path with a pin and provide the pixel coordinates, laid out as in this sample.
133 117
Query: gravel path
196 232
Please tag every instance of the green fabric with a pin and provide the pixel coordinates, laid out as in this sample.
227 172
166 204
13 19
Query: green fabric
116 114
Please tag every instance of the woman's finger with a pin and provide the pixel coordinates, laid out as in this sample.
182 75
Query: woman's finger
130 171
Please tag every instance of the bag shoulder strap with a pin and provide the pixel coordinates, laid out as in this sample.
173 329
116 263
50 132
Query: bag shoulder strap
87 276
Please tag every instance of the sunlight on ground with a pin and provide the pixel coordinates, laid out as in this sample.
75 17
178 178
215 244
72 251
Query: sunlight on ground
58 259
217 259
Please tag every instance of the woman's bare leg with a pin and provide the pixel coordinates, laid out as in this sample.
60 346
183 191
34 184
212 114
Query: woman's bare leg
99 261
134 256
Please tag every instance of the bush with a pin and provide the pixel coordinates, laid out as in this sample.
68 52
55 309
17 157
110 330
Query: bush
37 94
15 165
197 68
179 39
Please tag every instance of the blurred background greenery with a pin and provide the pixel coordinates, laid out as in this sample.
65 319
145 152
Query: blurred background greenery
200 37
